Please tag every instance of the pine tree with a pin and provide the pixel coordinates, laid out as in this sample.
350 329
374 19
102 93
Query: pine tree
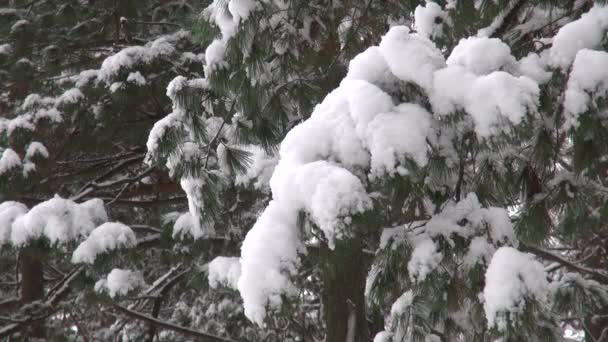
454 150
354 170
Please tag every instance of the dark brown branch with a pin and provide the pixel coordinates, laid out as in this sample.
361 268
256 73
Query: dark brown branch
570 265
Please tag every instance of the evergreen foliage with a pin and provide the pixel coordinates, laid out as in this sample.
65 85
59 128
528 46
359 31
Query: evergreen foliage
468 207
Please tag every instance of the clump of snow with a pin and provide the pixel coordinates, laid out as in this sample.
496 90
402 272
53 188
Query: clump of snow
492 100
58 220
136 78
193 187
371 66
383 336
511 278
589 76
36 148
6 49
9 211
479 251
120 282
214 55
481 55
269 256
429 20
425 258
585 33
137 55
535 67
260 169
402 303
500 96
411 58
107 237
9 160
226 15
70 96
389 146
224 271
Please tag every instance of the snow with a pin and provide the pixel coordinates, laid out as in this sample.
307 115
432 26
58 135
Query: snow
411 58
9 211
36 148
159 130
9 160
383 336
389 145
193 187
479 252
136 78
119 282
269 255
224 271
497 97
481 55
426 20
85 77
425 258
585 33
58 220
535 67
226 15
6 49
70 96
511 278
589 76
371 66
214 55
402 303
107 237
358 129
260 169
134 56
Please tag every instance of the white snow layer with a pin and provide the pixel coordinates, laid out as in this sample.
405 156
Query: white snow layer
402 303
512 276
9 211
224 271
589 76
429 20
9 160
59 220
585 33
119 282
107 237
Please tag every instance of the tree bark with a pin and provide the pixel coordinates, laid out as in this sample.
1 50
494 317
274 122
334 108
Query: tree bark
344 273
32 284
597 329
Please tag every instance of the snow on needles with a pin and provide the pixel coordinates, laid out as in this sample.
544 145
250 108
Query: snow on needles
119 282
58 220
511 278
589 76
107 237
224 271
358 126
584 33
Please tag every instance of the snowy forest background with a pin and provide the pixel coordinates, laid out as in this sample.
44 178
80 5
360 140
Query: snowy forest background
285 170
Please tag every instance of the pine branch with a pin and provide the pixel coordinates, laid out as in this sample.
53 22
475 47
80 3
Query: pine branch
201 336
599 274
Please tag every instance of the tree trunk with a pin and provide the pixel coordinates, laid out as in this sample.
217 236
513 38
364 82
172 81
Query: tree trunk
32 284
344 273
597 329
